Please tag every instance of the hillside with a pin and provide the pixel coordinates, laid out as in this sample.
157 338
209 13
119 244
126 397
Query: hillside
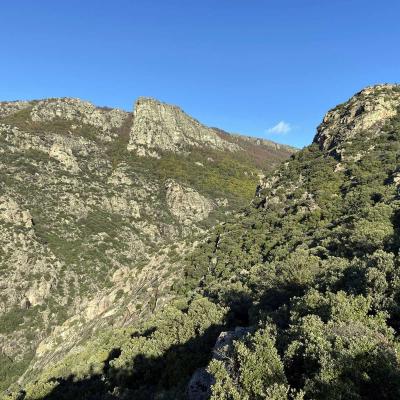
96 207
294 297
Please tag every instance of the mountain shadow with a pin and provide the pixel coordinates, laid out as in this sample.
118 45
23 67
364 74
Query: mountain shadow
158 377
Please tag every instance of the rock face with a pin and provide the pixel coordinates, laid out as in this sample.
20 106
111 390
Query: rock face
11 213
71 109
186 204
161 127
64 155
225 340
370 108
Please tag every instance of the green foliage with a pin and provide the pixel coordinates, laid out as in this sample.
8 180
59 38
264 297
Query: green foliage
229 175
11 367
18 317
260 374
162 354
352 355
319 261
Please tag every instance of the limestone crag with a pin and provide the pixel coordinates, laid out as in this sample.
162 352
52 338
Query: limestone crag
159 127
10 212
72 109
370 108
186 204
64 155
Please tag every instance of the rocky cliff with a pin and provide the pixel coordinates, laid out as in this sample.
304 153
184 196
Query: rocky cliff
161 127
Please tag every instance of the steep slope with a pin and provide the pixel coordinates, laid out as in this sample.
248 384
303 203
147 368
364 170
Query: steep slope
176 132
89 229
311 269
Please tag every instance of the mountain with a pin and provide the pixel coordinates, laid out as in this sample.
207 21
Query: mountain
96 207
295 296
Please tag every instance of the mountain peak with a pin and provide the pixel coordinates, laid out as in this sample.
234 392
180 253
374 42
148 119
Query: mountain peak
158 126
370 108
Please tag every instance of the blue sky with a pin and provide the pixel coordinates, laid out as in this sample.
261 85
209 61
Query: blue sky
267 68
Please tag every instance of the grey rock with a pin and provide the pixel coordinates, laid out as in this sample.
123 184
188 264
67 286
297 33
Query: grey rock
72 109
159 127
225 340
371 107
186 204
200 384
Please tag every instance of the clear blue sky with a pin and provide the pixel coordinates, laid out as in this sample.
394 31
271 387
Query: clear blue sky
244 66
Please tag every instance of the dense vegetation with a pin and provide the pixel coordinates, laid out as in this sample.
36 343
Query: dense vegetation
312 268
316 271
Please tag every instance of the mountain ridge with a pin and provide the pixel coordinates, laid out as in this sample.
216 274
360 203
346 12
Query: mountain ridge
10 107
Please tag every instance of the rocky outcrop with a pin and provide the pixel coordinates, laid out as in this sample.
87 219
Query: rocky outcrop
64 155
201 382
186 204
72 109
122 205
159 127
371 108
38 291
347 133
11 212
10 107
396 179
